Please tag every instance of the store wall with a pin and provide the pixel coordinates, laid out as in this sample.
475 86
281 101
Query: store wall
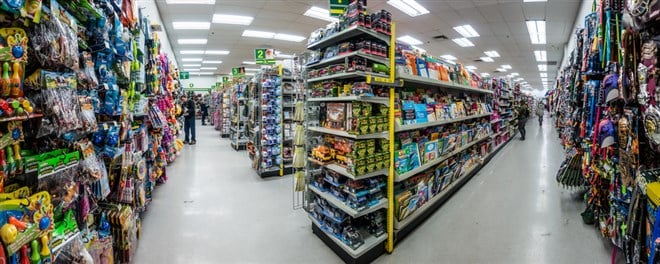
150 10
585 9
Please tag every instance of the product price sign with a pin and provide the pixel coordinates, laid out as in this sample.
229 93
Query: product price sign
184 75
264 56
337 7
238 72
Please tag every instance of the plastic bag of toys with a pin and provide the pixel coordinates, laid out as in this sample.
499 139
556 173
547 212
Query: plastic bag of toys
74 252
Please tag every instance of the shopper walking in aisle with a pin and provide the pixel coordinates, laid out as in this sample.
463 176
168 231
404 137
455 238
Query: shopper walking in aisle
540 111
205 109
189 120
522 113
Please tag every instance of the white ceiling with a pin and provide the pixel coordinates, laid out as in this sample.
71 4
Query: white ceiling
500 23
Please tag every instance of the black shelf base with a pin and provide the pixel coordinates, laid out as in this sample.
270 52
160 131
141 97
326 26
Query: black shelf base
224 135
275 173
404 232
367 257
239 147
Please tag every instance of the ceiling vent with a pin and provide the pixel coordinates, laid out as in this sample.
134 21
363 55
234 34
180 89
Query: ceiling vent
440 37
551 63
156 27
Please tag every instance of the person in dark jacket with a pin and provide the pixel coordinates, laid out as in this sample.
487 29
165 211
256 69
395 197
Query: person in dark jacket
205 110
523 114
189 120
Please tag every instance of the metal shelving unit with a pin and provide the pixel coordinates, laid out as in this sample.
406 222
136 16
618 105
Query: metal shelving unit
238 121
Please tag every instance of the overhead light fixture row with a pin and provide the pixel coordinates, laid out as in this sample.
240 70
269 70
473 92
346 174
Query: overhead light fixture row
320 13
192 59
543 67
410 40
211 62
492 54
501 70
192 41
249 62
466 31
272 35
471 67
541 55
487 59
190 2
463 42
536 30
232 19
191 25
448 57
410 7
506 66
192 65
544 75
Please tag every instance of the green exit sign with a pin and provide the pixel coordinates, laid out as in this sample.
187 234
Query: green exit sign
337 7
184 75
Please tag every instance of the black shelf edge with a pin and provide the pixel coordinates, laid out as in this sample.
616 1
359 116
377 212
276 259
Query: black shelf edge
367 257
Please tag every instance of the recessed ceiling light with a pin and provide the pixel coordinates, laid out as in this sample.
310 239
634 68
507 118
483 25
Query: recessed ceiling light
536 30
463 42
192 41
501 70
471 67
288 37
541 55
410 40
190 70
492 54
514 74
320 13
211 62
232 19
485 74
191 59
506 66
258 34
188 52
190 2
410 7
545 80
249 62
466 31
543 67
217 52
487 59
191 25
191 65
205 73
544 74
208 68
448 57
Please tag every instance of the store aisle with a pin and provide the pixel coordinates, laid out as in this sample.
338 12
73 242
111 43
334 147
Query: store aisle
215 209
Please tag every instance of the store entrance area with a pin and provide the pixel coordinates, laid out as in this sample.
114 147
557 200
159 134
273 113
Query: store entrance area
217 210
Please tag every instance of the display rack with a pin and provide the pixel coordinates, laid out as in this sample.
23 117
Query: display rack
223 122
503 119
239 116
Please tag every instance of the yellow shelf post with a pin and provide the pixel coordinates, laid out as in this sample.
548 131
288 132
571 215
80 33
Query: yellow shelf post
389 246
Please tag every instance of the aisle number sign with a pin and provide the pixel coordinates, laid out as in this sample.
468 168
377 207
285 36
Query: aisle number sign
238 72
218 85
264 56
225 79
337 7
184 75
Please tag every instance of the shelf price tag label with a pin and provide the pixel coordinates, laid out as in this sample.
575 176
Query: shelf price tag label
184 75
337 7
264 56
238 72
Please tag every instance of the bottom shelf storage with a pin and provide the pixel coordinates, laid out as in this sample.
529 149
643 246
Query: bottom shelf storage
372 248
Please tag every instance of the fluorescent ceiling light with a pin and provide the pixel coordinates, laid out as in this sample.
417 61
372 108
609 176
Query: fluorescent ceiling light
249 74
283 56
192 41
196 52
471 67
466 31
205 73
525 82
258 34
545 80
249 62
192 65
190 70
541 55
543 67
217 52
320 13
485 74
211 62
448 57
192 59
531 1
544 74
419 49
501 70
410 40
487 59
191 2
191 25
288 37
514 74
232 19
208 68
506 66
252 69
536 30
410 7
492 54
463 42
519 79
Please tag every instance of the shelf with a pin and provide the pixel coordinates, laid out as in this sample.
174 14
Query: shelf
345 134
419 80
398 178
443 195
369 242
344 172
360 98
401 128
347 75
57 171
496 121
64 242
349 210
340 58
20 118
348 33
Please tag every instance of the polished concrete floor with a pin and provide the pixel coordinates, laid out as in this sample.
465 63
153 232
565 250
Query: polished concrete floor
215 209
